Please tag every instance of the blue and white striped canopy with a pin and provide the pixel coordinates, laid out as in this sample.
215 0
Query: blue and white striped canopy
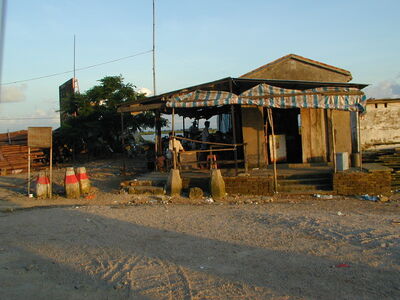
340 98
351 99
200 98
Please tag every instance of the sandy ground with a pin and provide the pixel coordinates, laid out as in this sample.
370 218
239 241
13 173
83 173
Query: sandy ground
111 247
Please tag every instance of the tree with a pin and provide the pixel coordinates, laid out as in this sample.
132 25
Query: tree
94 124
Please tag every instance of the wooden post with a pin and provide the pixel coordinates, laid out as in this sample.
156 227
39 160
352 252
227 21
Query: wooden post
271 122
359 138
246 165
29 170
173 139
333 142
234 137
158 132
51 171
123 145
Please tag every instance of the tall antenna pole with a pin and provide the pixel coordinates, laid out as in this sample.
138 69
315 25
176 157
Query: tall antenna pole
73 80
154 48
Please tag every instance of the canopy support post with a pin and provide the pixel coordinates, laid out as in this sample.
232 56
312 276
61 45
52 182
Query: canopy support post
173 138
271 122
234 138
359 138
333 141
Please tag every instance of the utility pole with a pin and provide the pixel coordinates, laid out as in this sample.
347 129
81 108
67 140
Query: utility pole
154 48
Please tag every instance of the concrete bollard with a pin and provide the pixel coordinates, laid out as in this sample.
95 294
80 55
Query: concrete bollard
42 186
174 183
71 184
84 183
217 184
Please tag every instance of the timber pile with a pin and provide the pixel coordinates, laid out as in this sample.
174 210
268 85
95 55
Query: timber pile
14 159
389 158
14 138
14 153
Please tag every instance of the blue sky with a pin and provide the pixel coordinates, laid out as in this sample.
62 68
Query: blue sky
196 41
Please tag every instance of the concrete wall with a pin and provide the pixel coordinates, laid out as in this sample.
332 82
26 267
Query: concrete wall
380 126
253 135
292 69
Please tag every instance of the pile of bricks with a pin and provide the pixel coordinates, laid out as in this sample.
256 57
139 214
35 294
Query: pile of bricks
249 185
361 183
389 158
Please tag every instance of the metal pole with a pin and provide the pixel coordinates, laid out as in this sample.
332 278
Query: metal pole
74 64
154 48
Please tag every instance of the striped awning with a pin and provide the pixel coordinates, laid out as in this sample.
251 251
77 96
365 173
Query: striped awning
325 97
200 98
269 96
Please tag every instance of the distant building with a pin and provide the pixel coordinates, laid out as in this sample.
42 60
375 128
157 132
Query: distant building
66 90
380 126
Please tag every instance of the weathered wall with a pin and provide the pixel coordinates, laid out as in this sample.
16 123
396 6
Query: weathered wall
253 135
262 185
361 183
297 70
341 120
313 135
380 126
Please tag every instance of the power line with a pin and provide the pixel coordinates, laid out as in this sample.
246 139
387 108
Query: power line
16 119
79 69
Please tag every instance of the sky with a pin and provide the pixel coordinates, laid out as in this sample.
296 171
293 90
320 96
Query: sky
196 42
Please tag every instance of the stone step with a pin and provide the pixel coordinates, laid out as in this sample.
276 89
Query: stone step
146 190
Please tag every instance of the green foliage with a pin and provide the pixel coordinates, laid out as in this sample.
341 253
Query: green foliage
93 122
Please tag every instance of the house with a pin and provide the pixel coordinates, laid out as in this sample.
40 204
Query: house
311 132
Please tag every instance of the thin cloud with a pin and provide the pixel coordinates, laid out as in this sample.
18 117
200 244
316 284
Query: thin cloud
15 93
384 89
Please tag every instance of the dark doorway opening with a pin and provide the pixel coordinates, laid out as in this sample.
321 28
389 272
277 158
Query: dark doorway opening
287 125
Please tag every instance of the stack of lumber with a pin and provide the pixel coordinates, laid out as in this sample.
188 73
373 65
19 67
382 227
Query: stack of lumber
14 138
14 159
389 158
14 153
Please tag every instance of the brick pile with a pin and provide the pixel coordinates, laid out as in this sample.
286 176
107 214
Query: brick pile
361 183
252 185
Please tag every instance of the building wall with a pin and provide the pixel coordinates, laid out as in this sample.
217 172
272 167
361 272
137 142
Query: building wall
253 135
297 70
380 126
343 135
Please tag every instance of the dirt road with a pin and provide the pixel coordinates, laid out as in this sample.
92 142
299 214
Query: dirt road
336 249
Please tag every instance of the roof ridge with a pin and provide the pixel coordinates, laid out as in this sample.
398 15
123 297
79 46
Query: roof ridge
301 58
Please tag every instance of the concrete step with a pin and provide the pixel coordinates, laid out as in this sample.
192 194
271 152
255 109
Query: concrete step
146 190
